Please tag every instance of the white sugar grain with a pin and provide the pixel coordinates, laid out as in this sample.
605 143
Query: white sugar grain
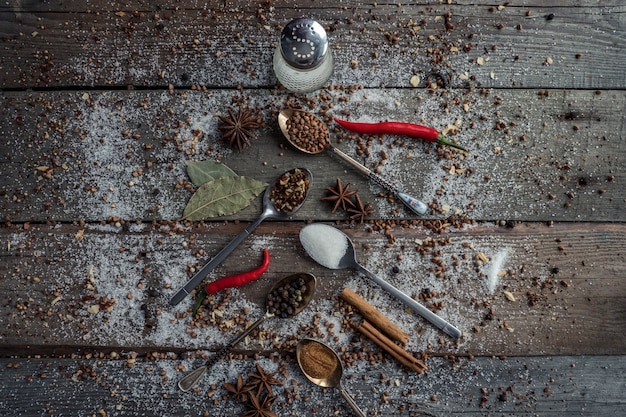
493 276
325 244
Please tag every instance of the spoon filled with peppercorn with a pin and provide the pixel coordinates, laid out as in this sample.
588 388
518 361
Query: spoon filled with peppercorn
281 199
307 133
287 297
321 365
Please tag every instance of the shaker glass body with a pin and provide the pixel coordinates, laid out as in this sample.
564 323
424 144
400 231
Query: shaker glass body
302 80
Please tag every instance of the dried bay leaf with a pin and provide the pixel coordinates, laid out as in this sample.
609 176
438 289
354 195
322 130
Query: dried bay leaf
222 197
201 172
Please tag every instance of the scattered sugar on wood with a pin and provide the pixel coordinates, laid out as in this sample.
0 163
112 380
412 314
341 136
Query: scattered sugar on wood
495 267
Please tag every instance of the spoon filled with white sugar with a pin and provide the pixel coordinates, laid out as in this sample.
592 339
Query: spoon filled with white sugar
330 247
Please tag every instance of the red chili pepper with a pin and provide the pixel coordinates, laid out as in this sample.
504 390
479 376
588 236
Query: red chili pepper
240 279
398 128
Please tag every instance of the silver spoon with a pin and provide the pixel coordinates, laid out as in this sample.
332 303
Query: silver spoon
269 211
309 352
189 380
413 203
333 249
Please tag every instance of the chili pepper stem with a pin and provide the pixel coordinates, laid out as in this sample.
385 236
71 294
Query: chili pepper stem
201 296
442 140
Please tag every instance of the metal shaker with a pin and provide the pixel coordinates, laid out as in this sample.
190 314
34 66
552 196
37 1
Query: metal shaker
302 60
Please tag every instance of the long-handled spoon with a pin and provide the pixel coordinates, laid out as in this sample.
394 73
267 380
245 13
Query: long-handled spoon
314 355
413 203
332 248
308 281
269 211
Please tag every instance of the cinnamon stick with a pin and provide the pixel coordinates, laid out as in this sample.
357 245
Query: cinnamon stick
373 315
394 350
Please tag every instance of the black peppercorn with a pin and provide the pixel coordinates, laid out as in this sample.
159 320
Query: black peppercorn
285 300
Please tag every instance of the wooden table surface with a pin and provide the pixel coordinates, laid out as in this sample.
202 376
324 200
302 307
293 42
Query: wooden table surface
523 249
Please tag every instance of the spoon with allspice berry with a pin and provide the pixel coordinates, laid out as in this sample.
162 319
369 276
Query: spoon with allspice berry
287 297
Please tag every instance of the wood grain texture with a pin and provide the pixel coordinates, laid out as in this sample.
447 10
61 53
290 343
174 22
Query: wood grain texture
102 103
566 281
95 155
557 386
221 45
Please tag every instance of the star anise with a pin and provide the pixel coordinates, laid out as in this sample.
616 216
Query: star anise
263 379
360 211
260 407
239 391
340 195
237 129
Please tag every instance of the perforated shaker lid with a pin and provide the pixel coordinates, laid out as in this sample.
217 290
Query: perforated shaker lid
303 43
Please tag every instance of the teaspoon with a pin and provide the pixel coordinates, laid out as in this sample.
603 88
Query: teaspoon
313 354
189 380
269 211
413 203
332 248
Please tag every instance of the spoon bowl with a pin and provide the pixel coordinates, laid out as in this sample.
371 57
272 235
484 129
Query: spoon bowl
270 210
308 283
333 249
321 365
304 281
321 143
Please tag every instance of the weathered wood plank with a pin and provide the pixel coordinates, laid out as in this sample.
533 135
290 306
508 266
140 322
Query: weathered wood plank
109 44
92 185
80 155
548 386
139 5
567 281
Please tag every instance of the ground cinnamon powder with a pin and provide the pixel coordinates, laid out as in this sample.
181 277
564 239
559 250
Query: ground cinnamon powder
318 361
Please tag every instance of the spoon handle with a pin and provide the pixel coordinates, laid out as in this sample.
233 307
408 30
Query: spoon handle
346 395
440 323
202 274
192 378
355 164
413 203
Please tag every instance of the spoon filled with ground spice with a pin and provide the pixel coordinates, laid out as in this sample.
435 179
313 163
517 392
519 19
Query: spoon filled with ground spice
307 133
287 297
281 199
321 365
330 247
